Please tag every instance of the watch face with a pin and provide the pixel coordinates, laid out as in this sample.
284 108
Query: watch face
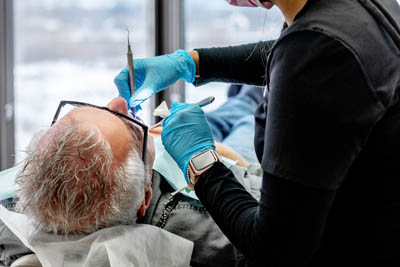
203 160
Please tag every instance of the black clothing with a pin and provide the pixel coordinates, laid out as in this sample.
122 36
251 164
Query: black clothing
327 138
227 64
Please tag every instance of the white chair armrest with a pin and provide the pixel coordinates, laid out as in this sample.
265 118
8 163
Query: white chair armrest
30 260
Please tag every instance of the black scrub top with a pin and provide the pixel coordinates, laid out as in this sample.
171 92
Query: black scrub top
327 137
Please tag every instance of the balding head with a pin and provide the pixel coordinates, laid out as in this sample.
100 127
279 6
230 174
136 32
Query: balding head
85 173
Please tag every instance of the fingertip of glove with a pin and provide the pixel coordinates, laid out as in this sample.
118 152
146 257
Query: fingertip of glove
117 80
121 78
163 124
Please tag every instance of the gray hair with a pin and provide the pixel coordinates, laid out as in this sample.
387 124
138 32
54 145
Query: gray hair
71 183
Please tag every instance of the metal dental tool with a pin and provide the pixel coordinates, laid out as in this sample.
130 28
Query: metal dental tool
206 101
131 67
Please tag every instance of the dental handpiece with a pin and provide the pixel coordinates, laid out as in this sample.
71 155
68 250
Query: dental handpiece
202 103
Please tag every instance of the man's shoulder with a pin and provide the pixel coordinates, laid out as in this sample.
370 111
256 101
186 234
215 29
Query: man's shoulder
186 217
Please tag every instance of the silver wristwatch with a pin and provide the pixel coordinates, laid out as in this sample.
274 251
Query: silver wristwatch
199 164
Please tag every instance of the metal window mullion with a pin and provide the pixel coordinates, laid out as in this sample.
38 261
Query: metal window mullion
7 139
169 36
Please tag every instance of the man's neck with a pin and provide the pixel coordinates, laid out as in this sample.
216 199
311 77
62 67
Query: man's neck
290 8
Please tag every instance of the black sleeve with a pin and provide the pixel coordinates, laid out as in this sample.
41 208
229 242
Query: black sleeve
244 64
284 228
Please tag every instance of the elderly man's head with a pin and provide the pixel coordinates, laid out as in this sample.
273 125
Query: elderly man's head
86 172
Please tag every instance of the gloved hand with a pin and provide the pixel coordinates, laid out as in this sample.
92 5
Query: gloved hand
154 74
186 133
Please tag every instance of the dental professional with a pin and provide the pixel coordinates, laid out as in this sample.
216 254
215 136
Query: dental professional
327 134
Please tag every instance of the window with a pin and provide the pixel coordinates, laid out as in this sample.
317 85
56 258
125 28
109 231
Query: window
218 24
70 50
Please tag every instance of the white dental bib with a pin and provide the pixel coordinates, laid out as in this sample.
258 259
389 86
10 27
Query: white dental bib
136 245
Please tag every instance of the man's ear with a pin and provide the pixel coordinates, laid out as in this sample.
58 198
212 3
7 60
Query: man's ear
146 201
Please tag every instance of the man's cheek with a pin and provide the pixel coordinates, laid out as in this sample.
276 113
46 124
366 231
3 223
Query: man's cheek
150 150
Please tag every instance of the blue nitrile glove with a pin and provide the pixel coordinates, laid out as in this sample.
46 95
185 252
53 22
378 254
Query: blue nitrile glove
186 133
154 74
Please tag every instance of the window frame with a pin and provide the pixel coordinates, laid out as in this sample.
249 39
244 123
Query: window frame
166 32
7 137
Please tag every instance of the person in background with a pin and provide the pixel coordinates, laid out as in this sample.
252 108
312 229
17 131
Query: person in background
326 134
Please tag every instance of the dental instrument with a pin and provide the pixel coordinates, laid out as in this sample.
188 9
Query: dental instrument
206 101
131 67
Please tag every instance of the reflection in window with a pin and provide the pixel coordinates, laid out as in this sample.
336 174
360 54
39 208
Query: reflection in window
219 24
69 50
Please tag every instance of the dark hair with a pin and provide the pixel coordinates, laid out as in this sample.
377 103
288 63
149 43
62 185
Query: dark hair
284 26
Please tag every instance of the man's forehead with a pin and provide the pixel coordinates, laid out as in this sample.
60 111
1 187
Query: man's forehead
87 112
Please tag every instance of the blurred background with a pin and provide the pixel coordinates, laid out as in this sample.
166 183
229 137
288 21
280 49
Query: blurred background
72 50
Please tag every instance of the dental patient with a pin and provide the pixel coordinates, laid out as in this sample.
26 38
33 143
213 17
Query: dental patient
92 170
86 172
83 185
